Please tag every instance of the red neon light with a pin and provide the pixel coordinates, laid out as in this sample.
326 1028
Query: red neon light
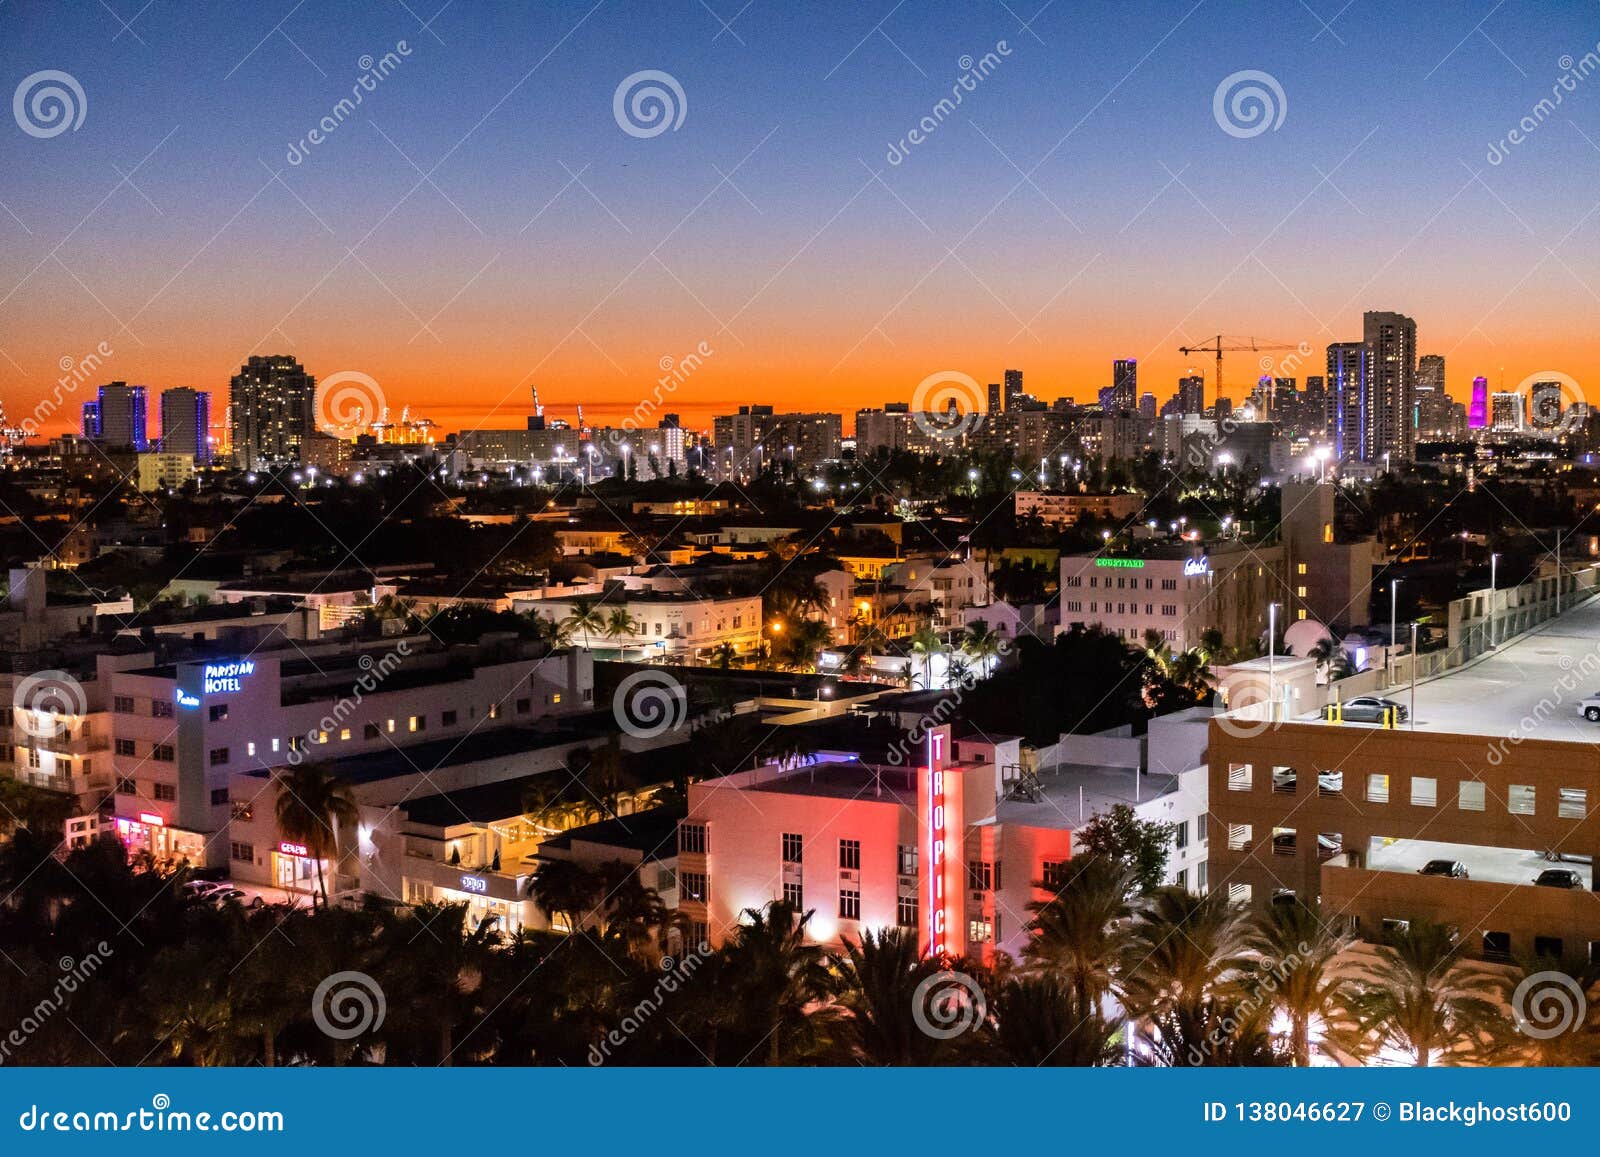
152 819
937 845
289 849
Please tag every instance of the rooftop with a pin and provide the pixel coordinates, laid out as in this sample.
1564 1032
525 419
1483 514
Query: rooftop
1102 788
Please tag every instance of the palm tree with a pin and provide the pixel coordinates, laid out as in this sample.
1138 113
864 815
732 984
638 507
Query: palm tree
982 643
1220 1030
1080 932
442 968
586 618
566 892
621 625
1183 950
1418 1000
1560 1004
875 981
1299 970
311 807
723 655
777 972
926 642
1040 1020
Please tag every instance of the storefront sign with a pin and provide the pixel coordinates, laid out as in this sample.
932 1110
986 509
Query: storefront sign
290 849
1121 563
1197 566
474 884
938 844
187 700
225 677
152 819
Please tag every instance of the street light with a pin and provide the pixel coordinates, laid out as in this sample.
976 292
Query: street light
1394 586
1272 661
1494 564
1413 716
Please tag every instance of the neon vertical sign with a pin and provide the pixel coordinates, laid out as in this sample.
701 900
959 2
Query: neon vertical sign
938 846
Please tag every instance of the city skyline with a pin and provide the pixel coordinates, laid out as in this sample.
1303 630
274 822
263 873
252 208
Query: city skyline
483 223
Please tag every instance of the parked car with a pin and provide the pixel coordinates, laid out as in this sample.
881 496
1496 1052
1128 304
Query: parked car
1371 709
223 895
1558 878
1589 708
200 888
1455 869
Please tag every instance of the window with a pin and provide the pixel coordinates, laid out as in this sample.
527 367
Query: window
243 812
1470 798
166 792
389 726
1547 947
417 723
126 786
692 886
370 731
849 903
792 847
850 855
447 719
907 857
692 838
1201 826
905 911
1497 946
1519 799
218 712
1285 780
161 708
219 756
162 752
122 704
244 853
219 795
1240 837
1284 841
1241 777
124 747
1180 834
1053 874
794 895
980 931
980 876
1424 791
1377 788
1182 879
1572 803
250 748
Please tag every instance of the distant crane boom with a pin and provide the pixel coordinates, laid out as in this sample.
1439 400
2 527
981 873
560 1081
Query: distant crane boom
1241 345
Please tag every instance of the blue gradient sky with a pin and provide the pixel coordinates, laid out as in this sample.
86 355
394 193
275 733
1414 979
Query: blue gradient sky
816 284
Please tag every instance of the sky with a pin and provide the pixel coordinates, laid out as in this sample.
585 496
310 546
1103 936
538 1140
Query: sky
484 221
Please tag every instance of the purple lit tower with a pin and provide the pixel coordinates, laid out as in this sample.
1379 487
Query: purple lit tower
1478 412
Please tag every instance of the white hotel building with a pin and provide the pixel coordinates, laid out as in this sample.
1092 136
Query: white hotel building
188 736
1179 592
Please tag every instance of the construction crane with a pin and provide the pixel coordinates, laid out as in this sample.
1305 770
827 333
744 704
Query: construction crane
1239 345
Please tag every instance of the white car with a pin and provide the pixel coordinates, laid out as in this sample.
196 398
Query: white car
1589 708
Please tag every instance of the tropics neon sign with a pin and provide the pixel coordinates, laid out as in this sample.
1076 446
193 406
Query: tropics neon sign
938 844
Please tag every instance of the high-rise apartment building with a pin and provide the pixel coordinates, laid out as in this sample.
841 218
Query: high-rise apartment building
1124 385
1390 386
122 416
996 402
1544 406
1013 387
1431 412
273 405
1506 409
90 426
186 423
1346 400
1191 393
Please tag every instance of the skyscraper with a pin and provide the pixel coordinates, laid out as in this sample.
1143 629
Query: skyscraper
1013 388
1191 393
1346 400
995 403
123 420
273 407
186 423
1478 412
1431 413
1390 385
1125 384
1147 405
1544 405
1507 410
91 421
